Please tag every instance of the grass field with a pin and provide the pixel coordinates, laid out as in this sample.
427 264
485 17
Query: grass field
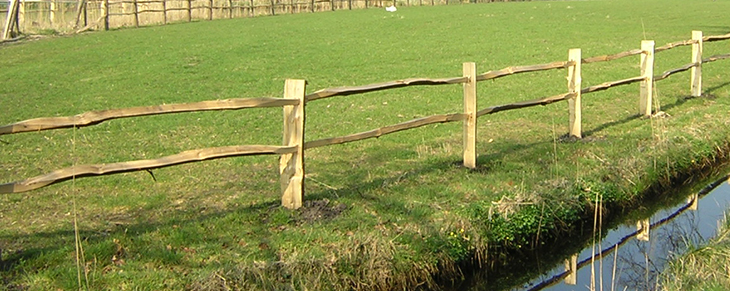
391 213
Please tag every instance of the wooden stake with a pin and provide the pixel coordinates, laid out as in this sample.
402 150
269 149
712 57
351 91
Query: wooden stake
646 86
10 19
52 10
210 9
571 266
470 110
291 166
136 14
190 11
574 86
105 12
164 11
696 71
230 9
311 5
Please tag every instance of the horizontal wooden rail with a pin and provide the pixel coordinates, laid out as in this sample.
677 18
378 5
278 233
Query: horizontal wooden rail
522 69
151 10
606 85
524 104
94 117
711 38
179 9
104 169
686 67
668 73
344 91
606 58
716 58
440 118
673 45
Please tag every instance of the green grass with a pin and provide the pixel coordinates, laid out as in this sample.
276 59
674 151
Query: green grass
412 213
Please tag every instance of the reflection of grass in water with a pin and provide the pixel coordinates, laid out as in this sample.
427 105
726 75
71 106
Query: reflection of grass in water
705 267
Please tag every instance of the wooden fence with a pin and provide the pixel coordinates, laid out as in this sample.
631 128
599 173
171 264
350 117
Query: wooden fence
80 15
292 150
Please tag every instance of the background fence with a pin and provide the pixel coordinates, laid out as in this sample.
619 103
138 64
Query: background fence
69 15
292 151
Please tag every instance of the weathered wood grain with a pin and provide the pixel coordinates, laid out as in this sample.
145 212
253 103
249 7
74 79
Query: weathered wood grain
291 166
522 69
344 91
440 118
104 169
469 134
646 87
606 58
695 75
575 81
95 117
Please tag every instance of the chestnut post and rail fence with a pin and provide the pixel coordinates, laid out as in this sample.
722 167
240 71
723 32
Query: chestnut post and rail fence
82 15
291 166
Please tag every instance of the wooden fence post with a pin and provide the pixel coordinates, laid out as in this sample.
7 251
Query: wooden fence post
470 110
230 9
10 20
273 7
574 86
210 9
190 11
164 11
646 86
291 166
136 14
696 71
52 12
311 5
105 11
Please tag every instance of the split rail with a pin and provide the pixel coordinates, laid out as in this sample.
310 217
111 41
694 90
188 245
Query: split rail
291 166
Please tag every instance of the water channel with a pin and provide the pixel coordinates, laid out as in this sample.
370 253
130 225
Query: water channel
628 257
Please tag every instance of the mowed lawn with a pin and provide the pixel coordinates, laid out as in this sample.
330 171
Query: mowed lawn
388 212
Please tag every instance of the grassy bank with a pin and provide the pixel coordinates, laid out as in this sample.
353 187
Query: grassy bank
391 213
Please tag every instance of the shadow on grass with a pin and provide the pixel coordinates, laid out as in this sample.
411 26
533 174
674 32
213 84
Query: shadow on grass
357 186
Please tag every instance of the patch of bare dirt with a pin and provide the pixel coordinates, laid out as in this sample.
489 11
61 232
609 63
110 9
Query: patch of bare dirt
319 210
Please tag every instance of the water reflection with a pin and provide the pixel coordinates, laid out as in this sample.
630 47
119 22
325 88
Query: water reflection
632 255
